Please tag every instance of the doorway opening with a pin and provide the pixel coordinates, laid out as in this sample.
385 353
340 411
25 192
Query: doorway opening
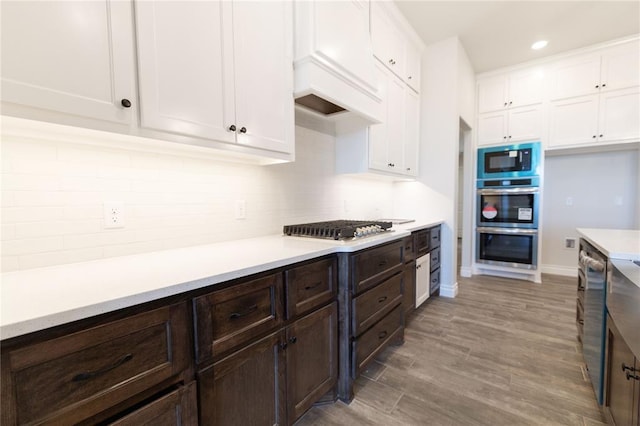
464 201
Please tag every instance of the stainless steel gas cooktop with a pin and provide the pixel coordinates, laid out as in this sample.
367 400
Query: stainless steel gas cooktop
338 229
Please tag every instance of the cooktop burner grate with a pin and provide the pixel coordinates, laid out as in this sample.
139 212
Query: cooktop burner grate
337 229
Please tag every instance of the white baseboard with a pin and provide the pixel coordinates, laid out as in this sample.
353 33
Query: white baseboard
450 291
567 271
466 271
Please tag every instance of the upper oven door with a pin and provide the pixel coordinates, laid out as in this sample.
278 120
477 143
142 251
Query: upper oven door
510 208
508 161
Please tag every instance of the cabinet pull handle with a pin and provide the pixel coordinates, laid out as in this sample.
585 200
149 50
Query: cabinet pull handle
601 135
237 315
594 136
91 374
504 137
382 263
309 287
626 367
597 86
604 84
581 322
505 104
382 299
125 103
293 340
408 169
283 346
580 287
510 102
632 376
232 128
382 334
410 77
243 130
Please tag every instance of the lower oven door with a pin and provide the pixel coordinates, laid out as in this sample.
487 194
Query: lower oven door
516 248
509 207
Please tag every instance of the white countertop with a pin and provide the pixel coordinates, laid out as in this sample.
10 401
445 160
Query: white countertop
36 299
614 243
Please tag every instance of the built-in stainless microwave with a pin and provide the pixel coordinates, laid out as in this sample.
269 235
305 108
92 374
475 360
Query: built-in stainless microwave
509 161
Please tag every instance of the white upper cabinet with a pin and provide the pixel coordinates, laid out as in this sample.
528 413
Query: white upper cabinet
70 57
594 98
620 67
393 45
513 125
619 116
217 70
388 41
391 147
414 66
511 90
612 68
573 121
185 68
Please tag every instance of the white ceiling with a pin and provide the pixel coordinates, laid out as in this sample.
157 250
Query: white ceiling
500 33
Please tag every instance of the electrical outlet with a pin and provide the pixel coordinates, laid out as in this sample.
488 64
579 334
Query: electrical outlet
113 215
241 209
569 243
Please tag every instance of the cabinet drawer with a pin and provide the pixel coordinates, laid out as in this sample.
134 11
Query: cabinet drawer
178 407
374 304
376 338
310 286
409 287
434 237
580 319
227 318
374 265
421 242
71 378
407 250
434 281
435 259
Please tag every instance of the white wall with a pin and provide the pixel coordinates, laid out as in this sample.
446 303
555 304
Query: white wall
595 183
52 196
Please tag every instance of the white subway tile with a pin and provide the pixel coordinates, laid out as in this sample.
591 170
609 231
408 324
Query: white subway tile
31 214
9 264
40 229
132 248
14 149
38 198
40 260
7 232
31 245
29 182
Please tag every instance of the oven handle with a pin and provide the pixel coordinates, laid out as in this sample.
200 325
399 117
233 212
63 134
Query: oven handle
508 231
492 191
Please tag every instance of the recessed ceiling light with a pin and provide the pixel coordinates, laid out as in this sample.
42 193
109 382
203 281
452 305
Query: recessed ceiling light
539 44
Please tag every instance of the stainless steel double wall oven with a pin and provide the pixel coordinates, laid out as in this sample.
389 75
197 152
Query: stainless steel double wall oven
508 205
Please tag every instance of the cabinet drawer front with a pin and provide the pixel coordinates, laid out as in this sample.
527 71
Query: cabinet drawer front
421 243
227 318
374 304
434 282
310 286
409 287
96 368
435 259
374 265
376 338
178 407
407 250
435 237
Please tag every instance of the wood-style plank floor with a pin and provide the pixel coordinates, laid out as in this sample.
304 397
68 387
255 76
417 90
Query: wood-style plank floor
504 352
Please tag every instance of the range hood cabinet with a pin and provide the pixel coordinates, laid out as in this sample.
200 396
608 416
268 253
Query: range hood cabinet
334 65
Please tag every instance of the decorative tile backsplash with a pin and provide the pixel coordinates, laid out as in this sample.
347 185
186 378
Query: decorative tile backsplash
53 196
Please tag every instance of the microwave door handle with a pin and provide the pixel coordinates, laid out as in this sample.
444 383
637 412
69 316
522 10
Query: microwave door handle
520 156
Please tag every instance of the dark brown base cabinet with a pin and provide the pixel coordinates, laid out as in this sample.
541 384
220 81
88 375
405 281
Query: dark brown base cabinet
622 380
267 349
138 366
370 293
